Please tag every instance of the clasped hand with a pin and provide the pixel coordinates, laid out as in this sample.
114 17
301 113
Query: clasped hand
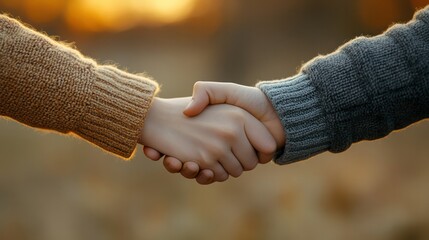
223 130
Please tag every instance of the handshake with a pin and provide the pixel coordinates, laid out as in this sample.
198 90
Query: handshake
223 130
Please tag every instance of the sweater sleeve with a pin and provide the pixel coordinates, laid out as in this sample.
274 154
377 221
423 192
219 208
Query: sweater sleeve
48 85
363 91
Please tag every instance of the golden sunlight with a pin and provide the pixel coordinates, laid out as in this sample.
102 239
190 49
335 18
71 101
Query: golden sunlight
101 15
168 11
97 15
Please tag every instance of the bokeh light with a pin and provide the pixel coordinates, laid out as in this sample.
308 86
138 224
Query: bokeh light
97 15
107 15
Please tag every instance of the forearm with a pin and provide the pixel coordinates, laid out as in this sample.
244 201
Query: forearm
48 85
364 90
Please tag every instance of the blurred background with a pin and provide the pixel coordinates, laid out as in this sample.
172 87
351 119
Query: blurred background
56 187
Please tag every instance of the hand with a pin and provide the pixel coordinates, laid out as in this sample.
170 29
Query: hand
223 138
251 99
188 169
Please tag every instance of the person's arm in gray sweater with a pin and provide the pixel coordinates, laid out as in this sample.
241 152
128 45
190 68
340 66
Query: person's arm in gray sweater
363 91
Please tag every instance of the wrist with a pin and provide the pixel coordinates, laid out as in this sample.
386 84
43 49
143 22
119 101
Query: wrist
150 122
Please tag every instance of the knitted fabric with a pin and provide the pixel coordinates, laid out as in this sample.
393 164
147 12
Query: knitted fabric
48 85
363 91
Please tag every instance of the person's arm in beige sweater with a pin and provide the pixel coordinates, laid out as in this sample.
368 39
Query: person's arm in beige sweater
48 85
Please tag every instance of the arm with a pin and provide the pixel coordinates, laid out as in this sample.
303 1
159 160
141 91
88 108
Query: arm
48 85
363 91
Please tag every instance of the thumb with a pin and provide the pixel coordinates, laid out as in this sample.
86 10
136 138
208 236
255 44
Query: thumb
205 93
200 100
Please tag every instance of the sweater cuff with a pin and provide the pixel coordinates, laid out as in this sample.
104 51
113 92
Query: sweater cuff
302 116
116 110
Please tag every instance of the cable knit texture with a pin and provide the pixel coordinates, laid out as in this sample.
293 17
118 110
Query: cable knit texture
48 85
363 91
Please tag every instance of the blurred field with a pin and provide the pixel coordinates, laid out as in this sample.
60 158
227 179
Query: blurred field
56 187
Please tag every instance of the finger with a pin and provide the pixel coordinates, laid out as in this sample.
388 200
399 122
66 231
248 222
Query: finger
245 153
196 105
173 165
152 153
190 170
205 177
220 174
260 138
231 164
205 93
265 158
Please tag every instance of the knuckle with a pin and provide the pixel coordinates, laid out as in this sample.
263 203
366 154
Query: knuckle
206 162
199 85
205 159
237 114
218 151
227 134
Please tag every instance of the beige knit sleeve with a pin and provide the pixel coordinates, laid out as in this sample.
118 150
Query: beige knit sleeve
45 84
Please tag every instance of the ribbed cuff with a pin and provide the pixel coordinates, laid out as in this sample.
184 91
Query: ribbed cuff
116 110
301 114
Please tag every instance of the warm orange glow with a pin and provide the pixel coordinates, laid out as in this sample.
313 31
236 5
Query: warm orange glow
379 14
419 3
95 15
43 10
167 11
101 15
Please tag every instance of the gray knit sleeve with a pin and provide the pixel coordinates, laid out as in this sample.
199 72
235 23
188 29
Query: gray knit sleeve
302 116
363 91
